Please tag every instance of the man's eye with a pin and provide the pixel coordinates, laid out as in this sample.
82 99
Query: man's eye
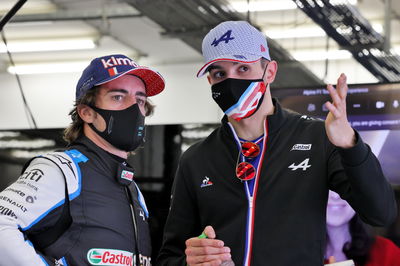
243 68
140 101
218 74
117 97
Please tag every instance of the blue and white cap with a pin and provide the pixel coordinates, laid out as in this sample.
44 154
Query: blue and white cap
236 41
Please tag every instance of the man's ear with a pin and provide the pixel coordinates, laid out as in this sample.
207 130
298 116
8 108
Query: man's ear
270 73
86 113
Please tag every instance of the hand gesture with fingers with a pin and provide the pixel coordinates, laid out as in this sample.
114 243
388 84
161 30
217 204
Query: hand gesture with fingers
206 251
337 126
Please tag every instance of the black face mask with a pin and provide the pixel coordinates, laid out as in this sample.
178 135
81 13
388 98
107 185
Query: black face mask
239 98
124 128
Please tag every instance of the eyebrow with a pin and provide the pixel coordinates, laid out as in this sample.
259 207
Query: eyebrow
117 90
217 66
139 93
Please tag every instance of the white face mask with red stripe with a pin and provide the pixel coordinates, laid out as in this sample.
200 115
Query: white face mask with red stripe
239 98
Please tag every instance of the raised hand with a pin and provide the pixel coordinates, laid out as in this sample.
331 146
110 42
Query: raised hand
206 251
337 126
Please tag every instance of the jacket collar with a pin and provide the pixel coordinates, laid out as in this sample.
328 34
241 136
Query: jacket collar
106 162
98 154
275 121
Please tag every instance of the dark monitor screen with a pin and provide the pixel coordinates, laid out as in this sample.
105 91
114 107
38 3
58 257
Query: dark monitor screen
373 110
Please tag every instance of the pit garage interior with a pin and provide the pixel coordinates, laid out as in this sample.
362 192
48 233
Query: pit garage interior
49 42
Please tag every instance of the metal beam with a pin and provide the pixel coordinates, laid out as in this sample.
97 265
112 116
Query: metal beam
387 25
77 15
352 31
11 13
190 20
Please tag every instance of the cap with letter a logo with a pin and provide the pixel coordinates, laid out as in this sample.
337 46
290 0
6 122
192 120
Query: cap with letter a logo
104 69
236 41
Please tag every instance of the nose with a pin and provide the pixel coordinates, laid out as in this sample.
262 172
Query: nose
231 74
132 99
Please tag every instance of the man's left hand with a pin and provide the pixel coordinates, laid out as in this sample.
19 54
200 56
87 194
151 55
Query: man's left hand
337 126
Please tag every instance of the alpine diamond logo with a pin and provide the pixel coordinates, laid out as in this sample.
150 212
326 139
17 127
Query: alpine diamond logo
303 165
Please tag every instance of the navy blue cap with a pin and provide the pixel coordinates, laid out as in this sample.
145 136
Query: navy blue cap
107 68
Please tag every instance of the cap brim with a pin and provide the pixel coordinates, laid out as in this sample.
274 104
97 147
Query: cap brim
152 80
249 59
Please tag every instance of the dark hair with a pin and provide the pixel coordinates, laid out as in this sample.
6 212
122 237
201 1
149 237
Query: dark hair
362 239
264 62
75 129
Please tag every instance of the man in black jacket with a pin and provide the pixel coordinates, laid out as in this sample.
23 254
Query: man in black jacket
257 186
81 206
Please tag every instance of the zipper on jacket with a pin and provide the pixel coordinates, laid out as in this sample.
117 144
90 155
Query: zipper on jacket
251 197
133 216
251 203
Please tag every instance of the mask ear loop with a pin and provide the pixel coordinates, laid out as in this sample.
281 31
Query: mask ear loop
265 69
266 85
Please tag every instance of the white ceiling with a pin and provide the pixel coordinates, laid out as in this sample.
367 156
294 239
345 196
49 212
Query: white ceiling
142 39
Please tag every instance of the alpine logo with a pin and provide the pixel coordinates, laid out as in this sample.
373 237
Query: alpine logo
128 175
301 147
303 165
206 182
101 256
226 37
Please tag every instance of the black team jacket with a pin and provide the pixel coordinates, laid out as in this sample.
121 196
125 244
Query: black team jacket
286 223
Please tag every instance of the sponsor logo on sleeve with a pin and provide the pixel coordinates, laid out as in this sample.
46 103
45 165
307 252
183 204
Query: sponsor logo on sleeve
7 212
28 184
32 175
17 191
14 203
65 161
28 198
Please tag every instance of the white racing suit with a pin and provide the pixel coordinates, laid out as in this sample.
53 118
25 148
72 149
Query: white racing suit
109 224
